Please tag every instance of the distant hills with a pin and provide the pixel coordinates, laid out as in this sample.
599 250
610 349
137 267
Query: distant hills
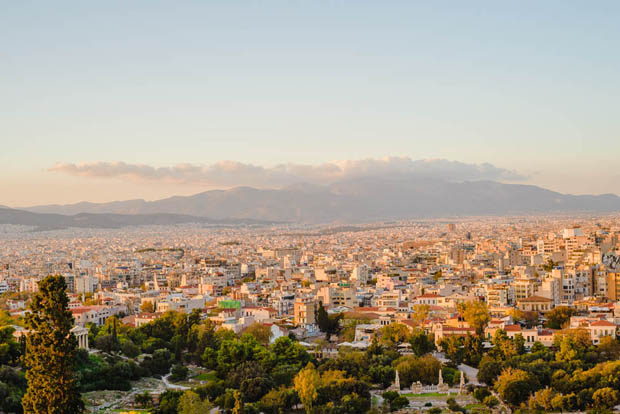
355 200
51 221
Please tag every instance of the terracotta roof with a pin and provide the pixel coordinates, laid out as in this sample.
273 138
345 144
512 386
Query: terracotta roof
535 299
602 323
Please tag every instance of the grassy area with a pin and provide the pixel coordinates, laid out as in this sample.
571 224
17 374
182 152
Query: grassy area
205 376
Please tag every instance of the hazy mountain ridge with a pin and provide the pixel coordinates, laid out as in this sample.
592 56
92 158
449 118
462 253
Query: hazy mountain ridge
52 221
357 200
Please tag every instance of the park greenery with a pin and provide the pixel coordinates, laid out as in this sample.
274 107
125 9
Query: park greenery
251 372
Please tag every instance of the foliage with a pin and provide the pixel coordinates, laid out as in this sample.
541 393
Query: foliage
179 373
559 316
191 403
50 352
421 343
306 384
476 315
515 386
329 324
260 332
394 334
395 400
411 369
490 401
12 386
143 400
147 307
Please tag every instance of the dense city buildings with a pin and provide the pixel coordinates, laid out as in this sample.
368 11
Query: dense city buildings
293 281
279 275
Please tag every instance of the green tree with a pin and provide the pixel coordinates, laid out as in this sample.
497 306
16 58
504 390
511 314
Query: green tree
329 324
307 383
190 403
50 352
421 343
144 399
452 346
179 373
395 400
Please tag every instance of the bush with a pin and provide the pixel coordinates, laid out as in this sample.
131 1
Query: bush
130 349
481 393
454 406
179 373
490 401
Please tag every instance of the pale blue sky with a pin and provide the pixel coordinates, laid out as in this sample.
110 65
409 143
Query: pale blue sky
530 86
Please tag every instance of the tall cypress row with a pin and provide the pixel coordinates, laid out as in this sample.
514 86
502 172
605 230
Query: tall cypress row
50 352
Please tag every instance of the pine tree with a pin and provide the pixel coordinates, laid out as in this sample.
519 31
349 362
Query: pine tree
50 352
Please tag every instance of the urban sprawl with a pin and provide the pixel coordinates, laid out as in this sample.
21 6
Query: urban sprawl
463 293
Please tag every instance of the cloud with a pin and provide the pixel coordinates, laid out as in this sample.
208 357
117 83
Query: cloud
233 173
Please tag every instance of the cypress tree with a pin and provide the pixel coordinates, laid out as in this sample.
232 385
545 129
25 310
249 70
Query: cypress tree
50 352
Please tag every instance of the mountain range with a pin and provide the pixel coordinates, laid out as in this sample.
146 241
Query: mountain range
354 200
52 221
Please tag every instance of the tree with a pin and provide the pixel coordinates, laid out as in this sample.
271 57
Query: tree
395 400
452 347
606 397
421 343
481 393
476 315
558 317
179 373
190 403
420 313
147 307
143 400
50 352
569 347
307 383
280 399
394 334
515 385
411 369
472 350
329 324
609 348
260 332
542 400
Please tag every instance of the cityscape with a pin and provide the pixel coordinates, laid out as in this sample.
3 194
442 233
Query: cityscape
309 207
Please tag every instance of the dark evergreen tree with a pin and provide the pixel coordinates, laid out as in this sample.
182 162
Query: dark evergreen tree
50 352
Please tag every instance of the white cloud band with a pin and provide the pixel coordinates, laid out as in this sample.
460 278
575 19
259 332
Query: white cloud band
233 173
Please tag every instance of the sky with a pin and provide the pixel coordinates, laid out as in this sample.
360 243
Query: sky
116 100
